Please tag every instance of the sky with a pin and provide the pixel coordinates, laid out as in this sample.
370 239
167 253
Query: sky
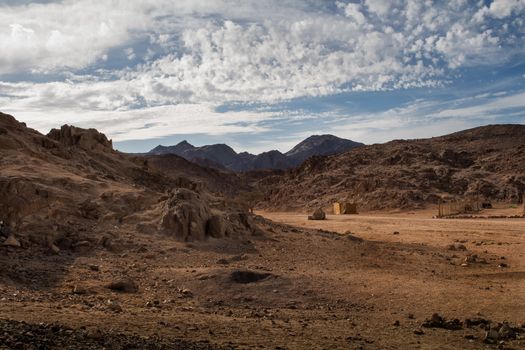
262 74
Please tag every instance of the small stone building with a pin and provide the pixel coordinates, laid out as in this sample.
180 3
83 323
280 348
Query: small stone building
345 208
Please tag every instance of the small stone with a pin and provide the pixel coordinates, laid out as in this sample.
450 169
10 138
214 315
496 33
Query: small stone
54 249
457 246
114 306
125 285
503 265
94 267
11 241
395 232
506 332
81 244
419 332
396 323
491 336
472 258
79 289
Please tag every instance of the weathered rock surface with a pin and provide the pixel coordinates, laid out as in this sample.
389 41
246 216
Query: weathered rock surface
318 214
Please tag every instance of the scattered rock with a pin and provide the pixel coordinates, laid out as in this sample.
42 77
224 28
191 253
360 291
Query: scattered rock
350 236
437 321
94 267
125 285
186 292
242 276
491 336
54 249
471 322
506 332
79 289
318 214
471 258
457 246
114 306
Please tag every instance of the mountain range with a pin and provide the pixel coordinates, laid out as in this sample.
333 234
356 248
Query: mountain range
224 157
485 162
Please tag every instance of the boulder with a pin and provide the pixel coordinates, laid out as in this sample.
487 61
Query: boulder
124 285
185 216
11 241
318 214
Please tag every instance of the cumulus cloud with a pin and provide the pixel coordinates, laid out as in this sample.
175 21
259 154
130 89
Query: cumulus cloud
122 56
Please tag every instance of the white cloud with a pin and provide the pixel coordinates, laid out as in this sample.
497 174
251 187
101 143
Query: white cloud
492 108
421 119
353 11
149 123
380 7
504 8
207 53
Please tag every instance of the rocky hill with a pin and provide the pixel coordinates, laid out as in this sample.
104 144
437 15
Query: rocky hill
224 157
319 145
488 162
70 186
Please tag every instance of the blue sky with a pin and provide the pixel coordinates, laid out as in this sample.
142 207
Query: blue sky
261 75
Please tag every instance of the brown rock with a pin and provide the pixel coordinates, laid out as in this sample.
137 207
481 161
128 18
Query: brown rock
318 214
216 227
79 289
54 249
124 285
11 241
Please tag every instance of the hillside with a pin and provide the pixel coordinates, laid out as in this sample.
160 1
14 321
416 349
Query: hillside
319 145
71 186
222 156
487 161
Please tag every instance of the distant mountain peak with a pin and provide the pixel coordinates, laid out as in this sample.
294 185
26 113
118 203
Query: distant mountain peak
184 143
226 156
320 145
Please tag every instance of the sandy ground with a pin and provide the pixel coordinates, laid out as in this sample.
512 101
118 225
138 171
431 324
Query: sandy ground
325 290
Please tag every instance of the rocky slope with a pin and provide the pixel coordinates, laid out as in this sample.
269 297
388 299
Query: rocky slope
70 186
224 157
319 145
488 162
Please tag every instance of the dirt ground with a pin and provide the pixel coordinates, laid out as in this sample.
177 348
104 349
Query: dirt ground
318 289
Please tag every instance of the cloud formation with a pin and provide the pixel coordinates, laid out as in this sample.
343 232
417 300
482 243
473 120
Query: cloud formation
121 56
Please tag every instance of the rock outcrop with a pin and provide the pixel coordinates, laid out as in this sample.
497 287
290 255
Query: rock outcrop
188 216
88 139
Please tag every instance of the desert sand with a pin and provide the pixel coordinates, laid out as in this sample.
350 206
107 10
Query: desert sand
323 290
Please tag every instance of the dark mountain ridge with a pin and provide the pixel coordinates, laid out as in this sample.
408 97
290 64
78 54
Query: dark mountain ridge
224 157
